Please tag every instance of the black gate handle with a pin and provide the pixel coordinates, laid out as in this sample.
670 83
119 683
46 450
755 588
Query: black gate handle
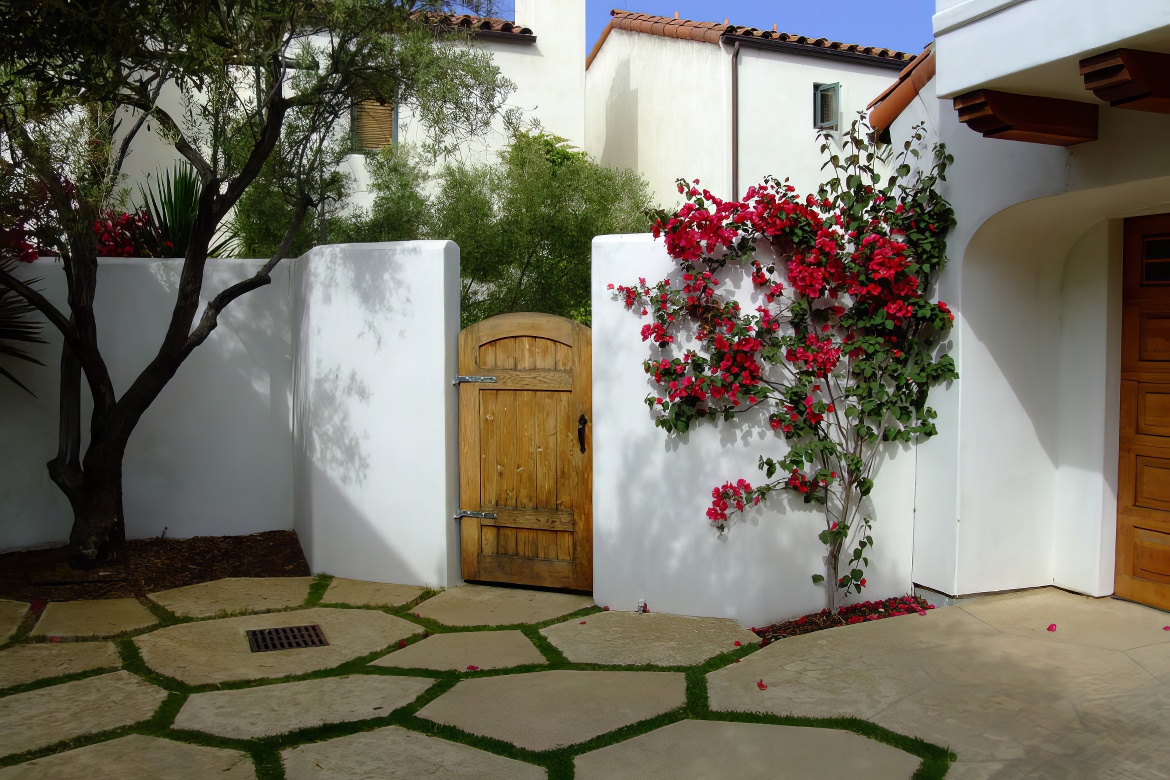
582 421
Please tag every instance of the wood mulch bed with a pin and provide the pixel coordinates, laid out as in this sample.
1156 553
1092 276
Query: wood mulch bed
851 613
152 565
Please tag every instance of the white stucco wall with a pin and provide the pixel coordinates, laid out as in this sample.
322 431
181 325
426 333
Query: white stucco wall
663 107
211 456
1018 490
652 540
376 458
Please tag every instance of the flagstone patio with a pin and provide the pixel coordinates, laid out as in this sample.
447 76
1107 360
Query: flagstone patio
406 690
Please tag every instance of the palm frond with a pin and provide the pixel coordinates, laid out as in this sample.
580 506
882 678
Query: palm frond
18 325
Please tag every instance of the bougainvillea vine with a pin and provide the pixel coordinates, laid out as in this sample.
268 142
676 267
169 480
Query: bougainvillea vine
839 346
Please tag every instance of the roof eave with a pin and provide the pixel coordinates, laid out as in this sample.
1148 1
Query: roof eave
774 44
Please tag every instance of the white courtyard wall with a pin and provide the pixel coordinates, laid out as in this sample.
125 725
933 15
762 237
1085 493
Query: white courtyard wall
213 455
376 456
652 539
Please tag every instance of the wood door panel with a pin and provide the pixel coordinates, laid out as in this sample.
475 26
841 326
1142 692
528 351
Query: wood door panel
1153 336
1153 409
1143 479
1151 555
1152 482
522 445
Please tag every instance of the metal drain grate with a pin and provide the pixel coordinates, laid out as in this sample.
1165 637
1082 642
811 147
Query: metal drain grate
261 640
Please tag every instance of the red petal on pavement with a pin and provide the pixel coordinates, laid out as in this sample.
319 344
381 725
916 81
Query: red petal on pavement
737 643
473 668
761 685
582 622
606 609
54 639
1052 627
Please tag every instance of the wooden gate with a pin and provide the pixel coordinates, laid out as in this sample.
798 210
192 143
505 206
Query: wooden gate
525 454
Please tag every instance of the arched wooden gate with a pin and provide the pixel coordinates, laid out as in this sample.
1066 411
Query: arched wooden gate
525 451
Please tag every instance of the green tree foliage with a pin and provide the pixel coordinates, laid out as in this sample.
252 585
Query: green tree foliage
524 225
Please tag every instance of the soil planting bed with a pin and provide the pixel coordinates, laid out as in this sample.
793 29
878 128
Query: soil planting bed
851 613
152 565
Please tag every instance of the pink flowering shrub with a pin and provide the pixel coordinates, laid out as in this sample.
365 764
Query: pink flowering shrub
840 350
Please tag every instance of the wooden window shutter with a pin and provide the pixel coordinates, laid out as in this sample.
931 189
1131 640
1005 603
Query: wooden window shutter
372 125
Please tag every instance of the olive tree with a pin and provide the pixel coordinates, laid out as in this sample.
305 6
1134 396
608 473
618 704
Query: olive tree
261 85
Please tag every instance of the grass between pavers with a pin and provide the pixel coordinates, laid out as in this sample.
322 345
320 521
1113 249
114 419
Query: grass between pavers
265 753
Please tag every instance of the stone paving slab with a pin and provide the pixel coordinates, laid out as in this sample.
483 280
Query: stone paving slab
547 710
24 664
215 651
360 593
137 756
1011 703
268 710
1155 659
11 615
393 753
699 750
1100 622
235 594
457 651
483 605
42 717
823 674
99 617
632 638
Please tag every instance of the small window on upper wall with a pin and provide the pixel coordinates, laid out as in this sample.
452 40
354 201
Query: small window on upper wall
827 106
373 125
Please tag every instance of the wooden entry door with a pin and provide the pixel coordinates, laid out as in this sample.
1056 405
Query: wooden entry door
1143 494
525 451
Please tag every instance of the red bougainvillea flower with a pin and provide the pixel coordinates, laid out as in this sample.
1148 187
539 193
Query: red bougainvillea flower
1052 627
761 685
737 643
472 668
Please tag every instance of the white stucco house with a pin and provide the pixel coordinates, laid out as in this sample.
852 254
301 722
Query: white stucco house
723 103
1051 464
540 51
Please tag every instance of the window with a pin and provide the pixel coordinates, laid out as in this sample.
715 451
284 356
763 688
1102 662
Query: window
826 106
373 125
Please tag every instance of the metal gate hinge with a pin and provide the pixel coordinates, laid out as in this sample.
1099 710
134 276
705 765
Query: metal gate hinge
477 379
478 515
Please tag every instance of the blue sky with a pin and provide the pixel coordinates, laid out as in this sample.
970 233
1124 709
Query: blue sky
898 24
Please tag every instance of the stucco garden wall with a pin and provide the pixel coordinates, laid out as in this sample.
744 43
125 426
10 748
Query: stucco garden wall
213 455
652 540
323 401
375 329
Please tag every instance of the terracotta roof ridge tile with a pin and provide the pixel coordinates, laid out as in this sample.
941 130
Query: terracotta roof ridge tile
468 21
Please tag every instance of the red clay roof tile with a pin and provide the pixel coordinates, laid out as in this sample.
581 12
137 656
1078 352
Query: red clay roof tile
712 32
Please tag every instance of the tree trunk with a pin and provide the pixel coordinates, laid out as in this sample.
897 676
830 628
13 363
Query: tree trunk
98 537
832 565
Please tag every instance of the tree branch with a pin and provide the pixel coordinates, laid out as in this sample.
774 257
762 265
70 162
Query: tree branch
124 149
210 318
